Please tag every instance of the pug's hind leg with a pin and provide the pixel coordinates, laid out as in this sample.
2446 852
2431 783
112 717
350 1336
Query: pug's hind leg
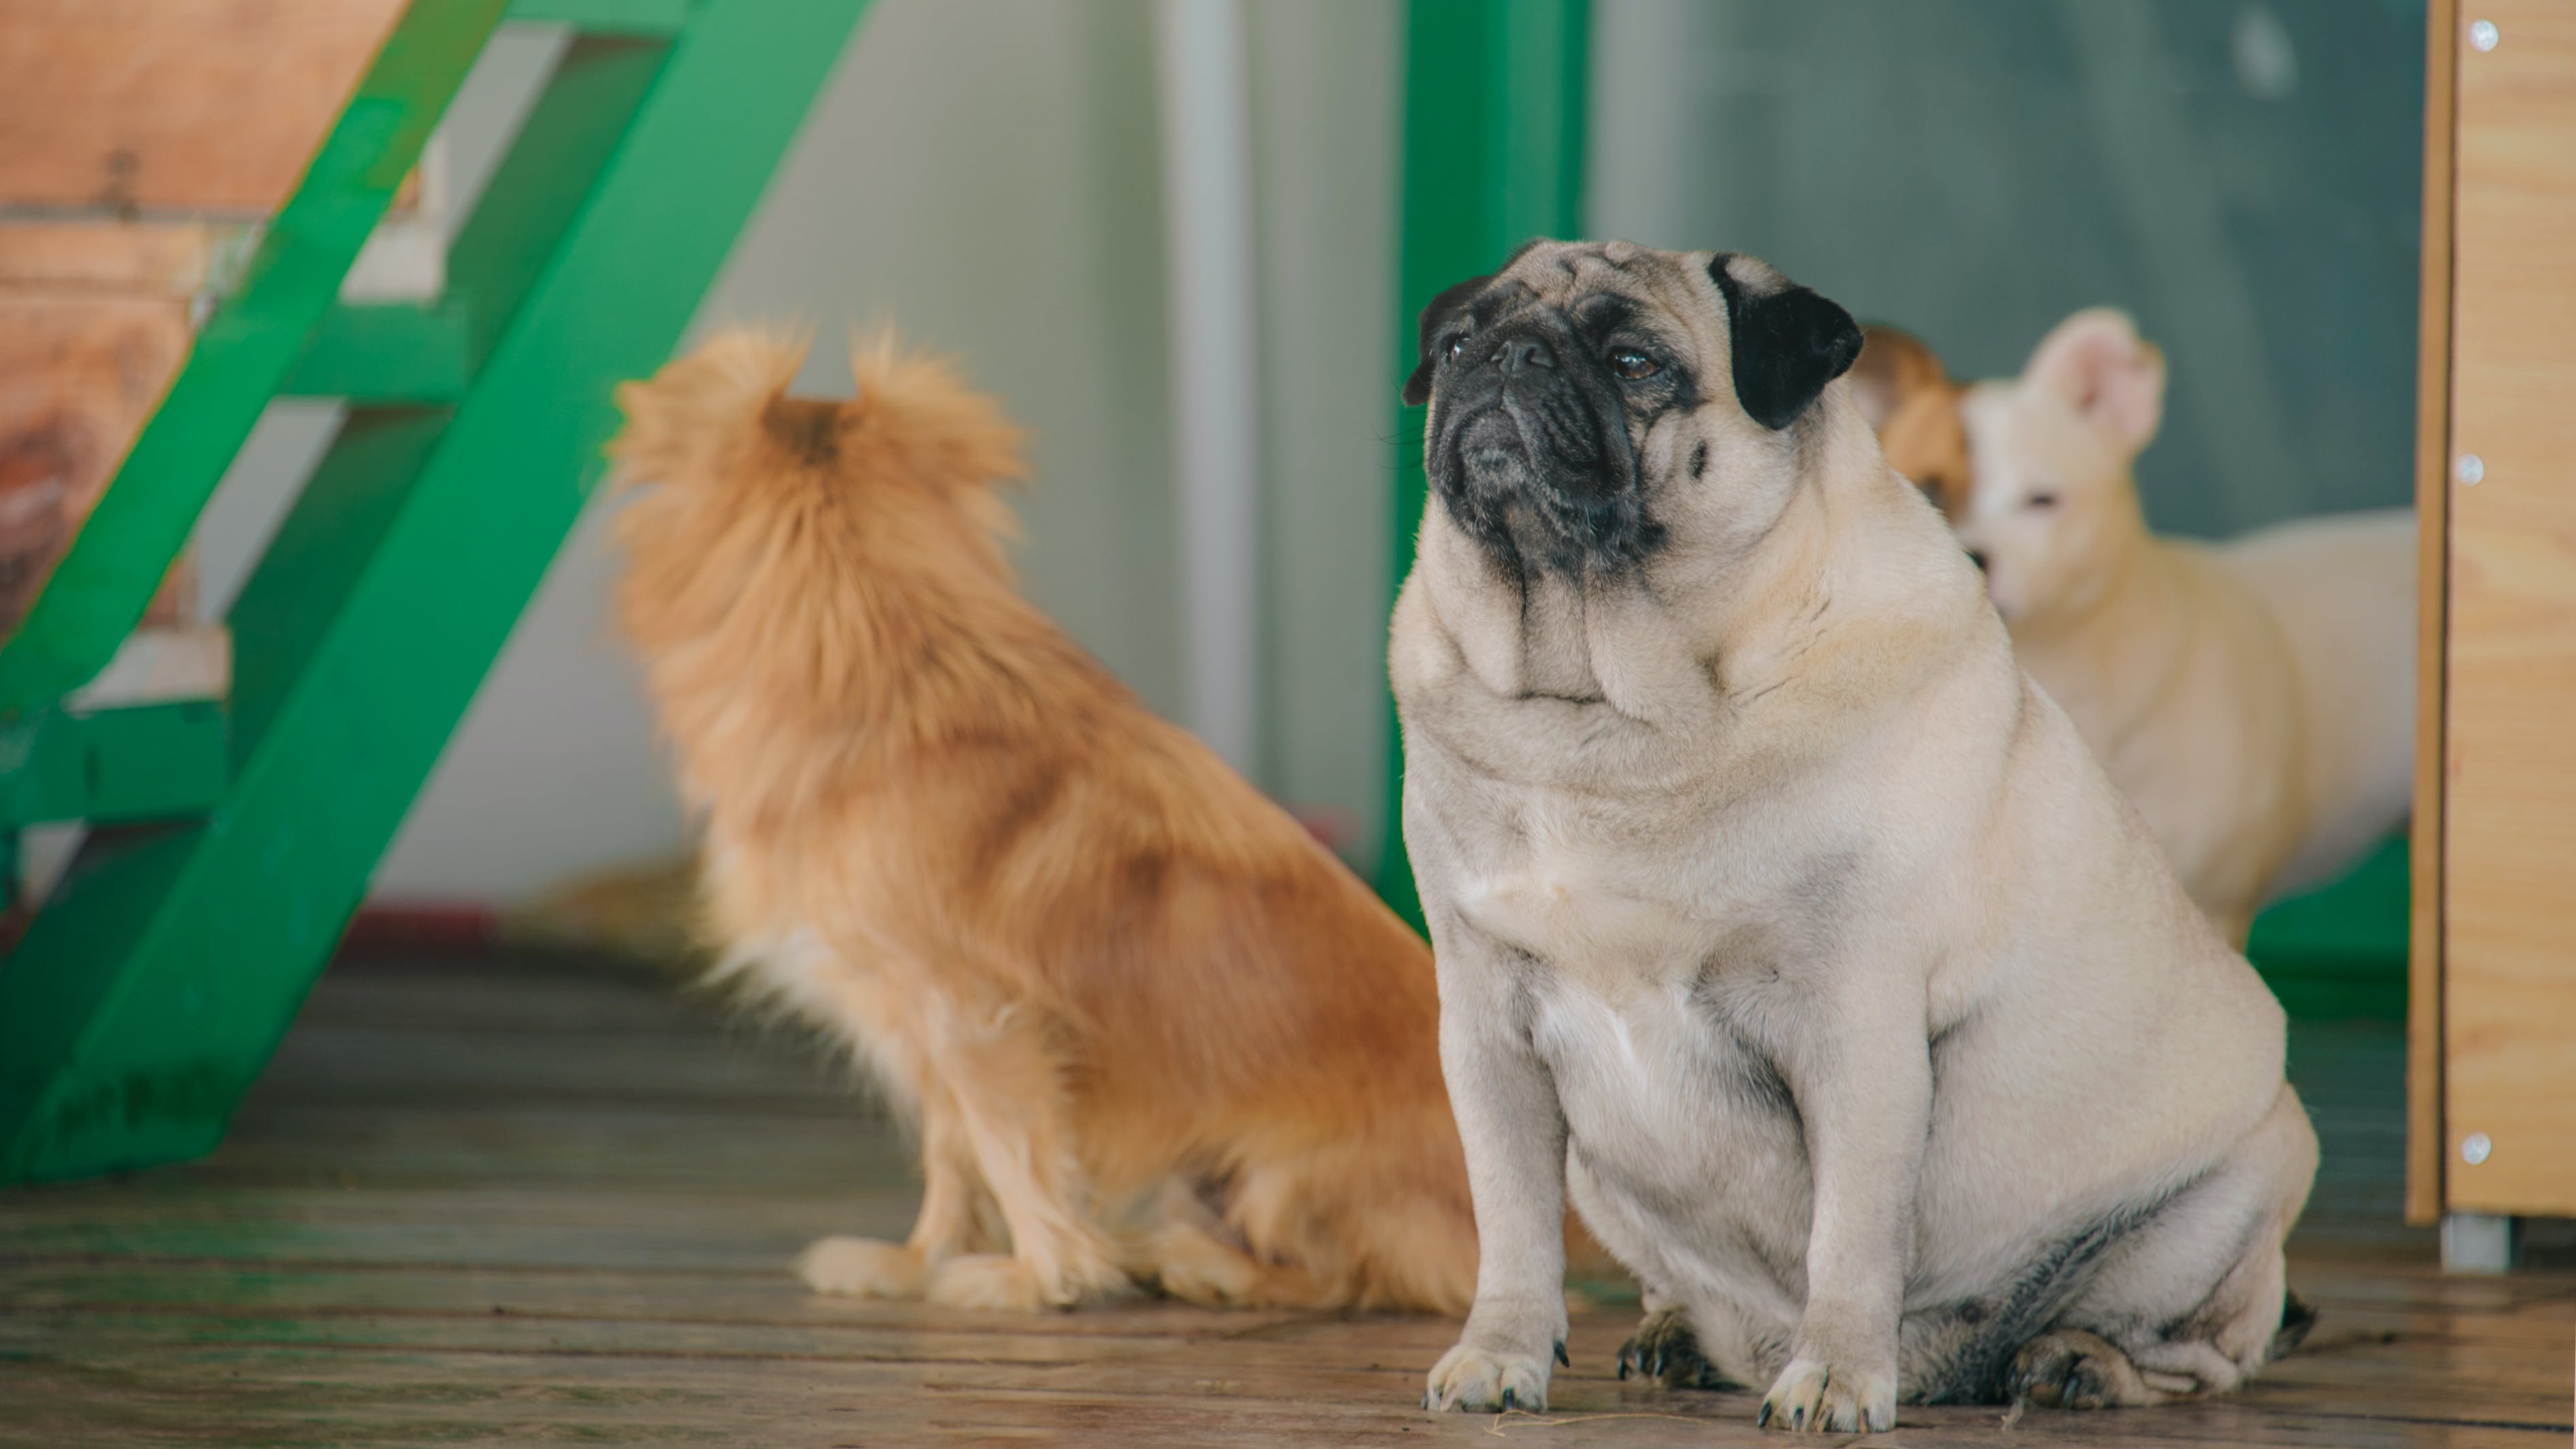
2197 1297
2068 1368
1666 1347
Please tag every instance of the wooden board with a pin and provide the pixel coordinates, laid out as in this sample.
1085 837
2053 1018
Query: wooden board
2509 735
540 1200
2424 1146
174 105
79 373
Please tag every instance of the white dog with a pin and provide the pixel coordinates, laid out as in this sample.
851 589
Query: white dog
2256 699
1778 916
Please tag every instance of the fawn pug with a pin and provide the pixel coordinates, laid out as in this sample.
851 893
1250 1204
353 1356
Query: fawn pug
1778 917
1150 1031
2256 698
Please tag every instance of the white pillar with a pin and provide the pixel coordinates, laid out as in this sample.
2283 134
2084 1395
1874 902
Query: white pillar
1207 189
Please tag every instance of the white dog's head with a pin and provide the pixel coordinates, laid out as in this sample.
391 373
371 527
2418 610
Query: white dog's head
2035 477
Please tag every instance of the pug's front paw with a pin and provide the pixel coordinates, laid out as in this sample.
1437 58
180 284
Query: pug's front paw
1815 1395
1476 1380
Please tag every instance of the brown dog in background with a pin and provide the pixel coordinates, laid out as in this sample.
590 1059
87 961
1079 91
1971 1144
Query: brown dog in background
1152 1032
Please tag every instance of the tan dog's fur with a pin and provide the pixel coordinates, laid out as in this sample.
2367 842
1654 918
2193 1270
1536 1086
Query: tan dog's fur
1150 1030
2255 698
1780 921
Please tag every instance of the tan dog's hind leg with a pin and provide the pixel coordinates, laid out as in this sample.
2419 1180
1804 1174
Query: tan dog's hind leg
1174 1242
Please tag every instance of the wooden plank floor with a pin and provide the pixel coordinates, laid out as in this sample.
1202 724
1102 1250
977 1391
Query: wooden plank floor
527 1201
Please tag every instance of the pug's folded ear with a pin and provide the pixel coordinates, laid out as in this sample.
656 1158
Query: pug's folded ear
1784 341
1435 320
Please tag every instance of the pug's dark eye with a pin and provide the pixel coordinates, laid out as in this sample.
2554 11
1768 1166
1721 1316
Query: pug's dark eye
2040 502
1633 365
1456 346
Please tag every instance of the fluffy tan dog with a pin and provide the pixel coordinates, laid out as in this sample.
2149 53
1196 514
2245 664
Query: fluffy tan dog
1151 1031
2255 699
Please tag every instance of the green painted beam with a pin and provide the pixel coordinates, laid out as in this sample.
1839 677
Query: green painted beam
144 762
606 17
149 994
98 591
415 354
1494 111
391 352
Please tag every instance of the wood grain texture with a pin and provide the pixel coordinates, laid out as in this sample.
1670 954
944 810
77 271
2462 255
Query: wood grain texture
539 1199
2508 911
174 105
176 260
2424 1155
79 372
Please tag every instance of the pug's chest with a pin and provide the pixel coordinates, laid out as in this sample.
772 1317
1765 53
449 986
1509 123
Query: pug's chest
1596 916
1679 1122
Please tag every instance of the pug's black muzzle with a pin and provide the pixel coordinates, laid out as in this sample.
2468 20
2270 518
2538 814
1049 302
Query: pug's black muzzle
1532 457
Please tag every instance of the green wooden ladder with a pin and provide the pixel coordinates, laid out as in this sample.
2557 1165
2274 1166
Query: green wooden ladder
150 989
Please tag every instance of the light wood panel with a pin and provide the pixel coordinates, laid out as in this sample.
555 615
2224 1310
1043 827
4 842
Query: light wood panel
2509 736
535 1201
2424 1154
79 373
174 105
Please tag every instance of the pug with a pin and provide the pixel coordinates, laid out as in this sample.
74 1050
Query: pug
1779 919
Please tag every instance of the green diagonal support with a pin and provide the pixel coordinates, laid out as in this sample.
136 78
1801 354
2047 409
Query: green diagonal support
1493 156
151 991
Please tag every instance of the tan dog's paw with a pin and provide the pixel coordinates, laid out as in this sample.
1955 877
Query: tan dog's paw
1000 1284
1196 1268
989 1281
2072 1369
1475 1380
862 1268
1811 1394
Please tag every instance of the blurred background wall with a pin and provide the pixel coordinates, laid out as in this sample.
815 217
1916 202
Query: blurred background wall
2245 178
987 174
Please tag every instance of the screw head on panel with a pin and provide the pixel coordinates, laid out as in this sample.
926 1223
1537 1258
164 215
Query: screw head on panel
2471 469
2475 1148
2483 34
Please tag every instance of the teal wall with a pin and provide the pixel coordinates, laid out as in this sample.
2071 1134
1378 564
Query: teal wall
2243 177
987 174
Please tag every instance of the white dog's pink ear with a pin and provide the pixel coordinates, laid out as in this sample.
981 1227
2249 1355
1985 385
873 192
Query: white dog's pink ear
2109 374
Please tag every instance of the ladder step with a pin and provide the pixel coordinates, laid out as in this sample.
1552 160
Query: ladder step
161 664
147 762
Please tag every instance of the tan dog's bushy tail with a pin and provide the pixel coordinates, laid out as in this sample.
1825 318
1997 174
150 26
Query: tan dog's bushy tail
766 584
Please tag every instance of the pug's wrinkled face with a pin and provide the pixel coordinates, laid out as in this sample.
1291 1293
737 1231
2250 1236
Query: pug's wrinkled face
1592 402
